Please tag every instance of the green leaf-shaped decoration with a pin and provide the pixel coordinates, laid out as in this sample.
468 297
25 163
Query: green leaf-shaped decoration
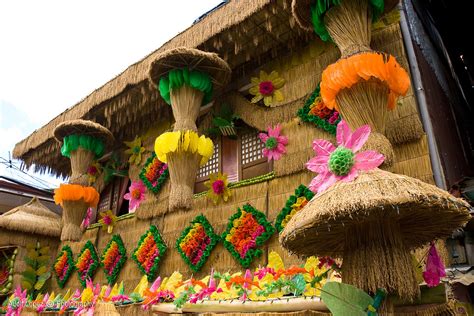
344 299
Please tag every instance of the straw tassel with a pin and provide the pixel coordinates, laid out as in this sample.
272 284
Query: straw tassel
73 213
186 102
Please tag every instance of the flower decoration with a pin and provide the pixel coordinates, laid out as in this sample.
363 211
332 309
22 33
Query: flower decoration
93 172
223 123
218 187
316 112
196 242
113 258
348 71
135 150
87 142
108 220
247 230
344 162
434 269
293 205
87 263
17 303
274 143
184 141
267 87
135 195
64 265
86 221
154 174
151 248
76 192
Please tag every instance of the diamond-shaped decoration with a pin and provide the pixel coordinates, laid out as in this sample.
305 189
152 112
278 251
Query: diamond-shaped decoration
149 252
87 263
293 205
113 258
154 173
64 265
196 242
247 230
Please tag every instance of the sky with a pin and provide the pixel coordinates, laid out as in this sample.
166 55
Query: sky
54 53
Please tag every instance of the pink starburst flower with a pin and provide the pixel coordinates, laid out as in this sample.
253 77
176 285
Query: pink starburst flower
135 195
344 162
275 144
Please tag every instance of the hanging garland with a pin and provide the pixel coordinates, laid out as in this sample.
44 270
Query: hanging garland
196 242
293 205
314 111
73 142
63 266
179 77
149 252
154 173
87 263
247 230
113 258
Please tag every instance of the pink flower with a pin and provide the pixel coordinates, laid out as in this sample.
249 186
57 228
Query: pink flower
266 88
274 143
434 269
344 162
135 195
218 186
87 219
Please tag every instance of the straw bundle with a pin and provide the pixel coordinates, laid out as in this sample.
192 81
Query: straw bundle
404 130
382 145
349 25
447 309
73 213
105 309
186 103
183 169
81 159
155 204
362 209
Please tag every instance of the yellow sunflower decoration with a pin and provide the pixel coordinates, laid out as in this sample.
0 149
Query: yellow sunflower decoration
135 150
183 141
267 87
218 187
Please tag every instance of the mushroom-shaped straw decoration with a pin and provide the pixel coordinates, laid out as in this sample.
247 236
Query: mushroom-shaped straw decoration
82 141
372 221
187 79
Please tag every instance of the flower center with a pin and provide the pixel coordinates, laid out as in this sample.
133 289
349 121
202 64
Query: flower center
92 170
266 87
341 161
107 220
136 150
136 194
271 143
218 186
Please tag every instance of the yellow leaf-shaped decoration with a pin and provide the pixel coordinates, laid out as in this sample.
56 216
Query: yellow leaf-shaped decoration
103 289
274 261
172 281
141 286
193 142
68 295
114 291
41 270
26 285
222 295
51 297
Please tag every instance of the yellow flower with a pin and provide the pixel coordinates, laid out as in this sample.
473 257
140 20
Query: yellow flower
218 187
108 220
87 295
267 87
135 150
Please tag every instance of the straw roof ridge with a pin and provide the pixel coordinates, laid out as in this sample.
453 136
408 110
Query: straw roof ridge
217 21
32 217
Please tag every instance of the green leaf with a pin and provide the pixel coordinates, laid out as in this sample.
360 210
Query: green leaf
44 250
299 283
226 112
39 285
220 122
41 270
30 262
29 277
44 276
344 299
31 246
26 285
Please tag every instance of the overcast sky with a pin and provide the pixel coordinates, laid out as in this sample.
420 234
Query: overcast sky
54 53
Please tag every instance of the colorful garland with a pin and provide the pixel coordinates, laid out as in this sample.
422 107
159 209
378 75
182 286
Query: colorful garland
247 229
149 252
64 265
179 77
293 205
87 263
113 258
154 174
314 111
346 72
73 142
76 192
196 242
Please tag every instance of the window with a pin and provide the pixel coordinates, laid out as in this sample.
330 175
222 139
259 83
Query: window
111 197
239 158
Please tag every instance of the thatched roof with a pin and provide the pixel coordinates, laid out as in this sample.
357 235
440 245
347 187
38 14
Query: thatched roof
32 217
243 33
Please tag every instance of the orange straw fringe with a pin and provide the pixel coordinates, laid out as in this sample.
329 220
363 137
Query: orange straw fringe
75 192
348 71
